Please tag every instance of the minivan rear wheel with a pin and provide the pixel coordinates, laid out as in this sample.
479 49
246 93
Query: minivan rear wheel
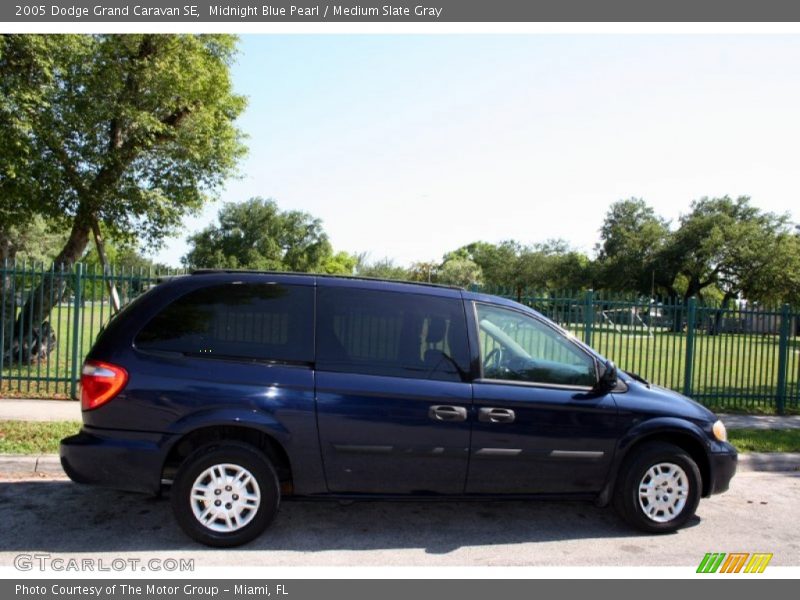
225 494
658 488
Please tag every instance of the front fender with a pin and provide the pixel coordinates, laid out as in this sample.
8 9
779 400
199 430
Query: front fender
658 426
652 428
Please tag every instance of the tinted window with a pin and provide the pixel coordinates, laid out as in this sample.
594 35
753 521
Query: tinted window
389 333
261 321
518 347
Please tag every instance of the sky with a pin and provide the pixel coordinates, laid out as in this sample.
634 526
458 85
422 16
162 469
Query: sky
408 146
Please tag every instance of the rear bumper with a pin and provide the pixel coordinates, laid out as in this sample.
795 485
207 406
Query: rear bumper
723 468
123 460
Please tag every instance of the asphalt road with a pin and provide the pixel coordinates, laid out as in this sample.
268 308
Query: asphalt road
758 514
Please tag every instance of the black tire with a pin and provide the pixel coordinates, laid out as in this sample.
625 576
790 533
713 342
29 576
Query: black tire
243 457
626 493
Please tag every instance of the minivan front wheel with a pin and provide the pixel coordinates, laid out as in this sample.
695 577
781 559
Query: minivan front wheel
225 495
658 489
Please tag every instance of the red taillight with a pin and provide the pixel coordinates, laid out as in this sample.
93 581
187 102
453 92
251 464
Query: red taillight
100 382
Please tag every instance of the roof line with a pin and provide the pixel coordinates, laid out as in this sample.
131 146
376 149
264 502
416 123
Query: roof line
324 275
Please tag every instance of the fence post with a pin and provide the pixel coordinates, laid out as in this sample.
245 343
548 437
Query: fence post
588 316
76 325
3 302
691 316
783 360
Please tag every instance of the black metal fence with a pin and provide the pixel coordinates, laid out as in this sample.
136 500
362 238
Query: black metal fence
741 357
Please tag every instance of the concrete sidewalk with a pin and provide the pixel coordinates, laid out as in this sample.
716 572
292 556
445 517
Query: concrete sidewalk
760 421
39 410
70 410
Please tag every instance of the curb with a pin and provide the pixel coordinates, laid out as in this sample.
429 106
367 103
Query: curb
50 464
769 461
18 464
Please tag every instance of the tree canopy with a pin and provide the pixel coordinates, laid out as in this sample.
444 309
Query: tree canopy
256 234
631 238
131 131
514 267
731 244
722 248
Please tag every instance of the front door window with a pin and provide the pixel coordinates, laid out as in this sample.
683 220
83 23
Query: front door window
518 347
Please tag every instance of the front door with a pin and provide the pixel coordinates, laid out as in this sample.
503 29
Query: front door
539 427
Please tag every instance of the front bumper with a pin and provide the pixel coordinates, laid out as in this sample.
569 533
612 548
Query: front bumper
123 460
723 467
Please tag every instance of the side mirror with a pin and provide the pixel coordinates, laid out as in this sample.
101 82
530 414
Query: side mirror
607 380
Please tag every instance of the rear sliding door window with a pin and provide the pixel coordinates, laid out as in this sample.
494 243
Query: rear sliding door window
392 334
268 322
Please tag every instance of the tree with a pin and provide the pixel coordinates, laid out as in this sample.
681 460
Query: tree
553 265
499 263
628 255
256 234
129 131
775 280
513 267
462 272
734 246
721 249
31 241
424 271
384 268
341 263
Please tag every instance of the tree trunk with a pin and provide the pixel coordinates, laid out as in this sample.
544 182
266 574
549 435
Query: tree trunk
693 289
718 314
101 253
33 337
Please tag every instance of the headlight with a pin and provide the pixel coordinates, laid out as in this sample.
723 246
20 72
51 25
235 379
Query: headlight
719 431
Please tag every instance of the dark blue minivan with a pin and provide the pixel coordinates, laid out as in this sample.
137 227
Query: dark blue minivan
239 389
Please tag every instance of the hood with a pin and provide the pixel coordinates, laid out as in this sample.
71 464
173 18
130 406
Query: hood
660 401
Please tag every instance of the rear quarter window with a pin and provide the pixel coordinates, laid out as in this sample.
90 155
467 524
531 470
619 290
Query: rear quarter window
271 322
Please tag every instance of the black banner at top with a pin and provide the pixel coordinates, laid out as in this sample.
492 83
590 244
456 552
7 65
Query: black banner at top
299 11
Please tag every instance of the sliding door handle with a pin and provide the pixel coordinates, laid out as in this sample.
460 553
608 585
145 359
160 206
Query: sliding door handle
439 412
496 415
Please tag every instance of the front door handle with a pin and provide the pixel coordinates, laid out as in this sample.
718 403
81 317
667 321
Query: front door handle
439 412
496 415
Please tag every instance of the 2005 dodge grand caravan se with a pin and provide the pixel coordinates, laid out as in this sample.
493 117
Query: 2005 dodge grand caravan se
240 388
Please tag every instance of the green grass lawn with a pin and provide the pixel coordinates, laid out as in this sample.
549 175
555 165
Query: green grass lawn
769 440
34 437
30 437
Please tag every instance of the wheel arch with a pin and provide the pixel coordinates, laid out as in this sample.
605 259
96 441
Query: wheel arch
217 434
683 434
